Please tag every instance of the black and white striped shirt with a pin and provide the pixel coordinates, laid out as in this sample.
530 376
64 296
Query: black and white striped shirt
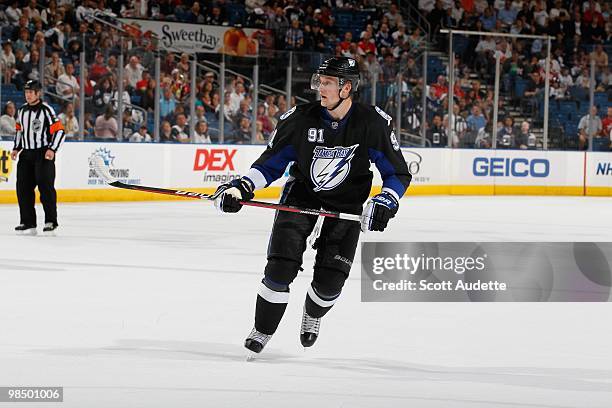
38 127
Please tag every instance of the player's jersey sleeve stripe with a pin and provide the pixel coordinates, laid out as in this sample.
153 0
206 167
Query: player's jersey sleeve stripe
257 177
274 166
387 172
392 192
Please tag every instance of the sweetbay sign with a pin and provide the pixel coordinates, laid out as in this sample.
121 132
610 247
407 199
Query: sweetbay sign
242 42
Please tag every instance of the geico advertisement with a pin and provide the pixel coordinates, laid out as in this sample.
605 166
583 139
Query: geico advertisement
599 169
517 167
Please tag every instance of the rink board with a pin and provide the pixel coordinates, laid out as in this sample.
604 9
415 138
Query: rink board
201 168
598 174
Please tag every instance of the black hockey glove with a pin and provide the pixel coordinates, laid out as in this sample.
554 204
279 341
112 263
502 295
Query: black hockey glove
228 196
378 211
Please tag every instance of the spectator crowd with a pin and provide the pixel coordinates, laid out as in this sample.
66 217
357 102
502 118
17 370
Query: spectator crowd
580 32
389 41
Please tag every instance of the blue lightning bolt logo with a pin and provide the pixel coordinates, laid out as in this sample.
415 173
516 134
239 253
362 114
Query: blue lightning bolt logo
335 163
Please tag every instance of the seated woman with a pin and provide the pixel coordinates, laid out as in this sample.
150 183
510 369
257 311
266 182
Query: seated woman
7 122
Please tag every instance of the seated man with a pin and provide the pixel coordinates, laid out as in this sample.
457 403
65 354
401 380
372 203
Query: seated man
507 135
436 134
525 139
180 132
590 126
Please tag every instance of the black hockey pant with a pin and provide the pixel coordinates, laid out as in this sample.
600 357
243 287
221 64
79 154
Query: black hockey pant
335 246
34 170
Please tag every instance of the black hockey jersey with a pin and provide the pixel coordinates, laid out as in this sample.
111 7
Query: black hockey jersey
332 158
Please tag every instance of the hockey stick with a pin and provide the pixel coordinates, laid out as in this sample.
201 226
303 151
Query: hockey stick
102 170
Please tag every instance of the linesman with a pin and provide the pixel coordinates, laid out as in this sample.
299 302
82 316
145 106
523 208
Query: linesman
39 136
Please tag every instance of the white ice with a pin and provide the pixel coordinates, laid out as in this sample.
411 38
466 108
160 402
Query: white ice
148 304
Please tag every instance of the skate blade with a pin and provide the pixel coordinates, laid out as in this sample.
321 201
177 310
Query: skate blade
251 356
50 233
28 233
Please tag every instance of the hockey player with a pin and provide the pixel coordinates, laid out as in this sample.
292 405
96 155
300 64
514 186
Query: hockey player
331 142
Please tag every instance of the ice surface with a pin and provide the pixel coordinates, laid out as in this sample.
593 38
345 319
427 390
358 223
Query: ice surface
147 305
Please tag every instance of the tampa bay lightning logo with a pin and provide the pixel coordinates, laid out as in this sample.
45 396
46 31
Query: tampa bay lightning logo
330 166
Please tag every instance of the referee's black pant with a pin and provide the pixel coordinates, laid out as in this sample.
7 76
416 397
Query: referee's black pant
34 170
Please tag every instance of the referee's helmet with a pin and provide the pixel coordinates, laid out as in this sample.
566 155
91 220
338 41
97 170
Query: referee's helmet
32 85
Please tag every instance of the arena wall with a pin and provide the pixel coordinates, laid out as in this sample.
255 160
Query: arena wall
202 167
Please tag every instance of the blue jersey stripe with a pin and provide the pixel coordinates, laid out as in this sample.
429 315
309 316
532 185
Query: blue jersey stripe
387 172
274 167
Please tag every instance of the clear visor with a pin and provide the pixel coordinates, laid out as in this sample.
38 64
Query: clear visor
318 82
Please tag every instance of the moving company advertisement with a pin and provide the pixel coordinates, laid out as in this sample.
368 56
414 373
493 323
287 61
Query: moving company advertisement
141 166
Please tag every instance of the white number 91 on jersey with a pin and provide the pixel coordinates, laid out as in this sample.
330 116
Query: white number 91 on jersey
315 135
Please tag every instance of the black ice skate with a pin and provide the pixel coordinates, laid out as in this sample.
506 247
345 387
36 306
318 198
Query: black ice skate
256 341
49 228
309 330
23 229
